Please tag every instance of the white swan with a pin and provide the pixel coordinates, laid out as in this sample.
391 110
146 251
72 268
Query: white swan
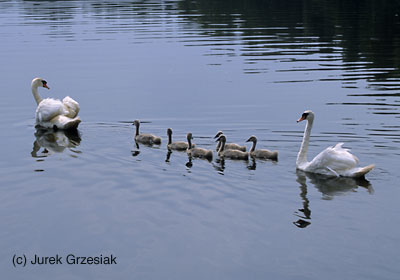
333 161
178 145
197 152
264 153
54 113
228 146
232 154
145 138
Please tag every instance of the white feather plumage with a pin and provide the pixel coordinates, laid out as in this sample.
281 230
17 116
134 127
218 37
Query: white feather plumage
51 112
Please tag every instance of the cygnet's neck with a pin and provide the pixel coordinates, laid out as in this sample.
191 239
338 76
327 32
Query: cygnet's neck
137 129
253 147
169 138
221 149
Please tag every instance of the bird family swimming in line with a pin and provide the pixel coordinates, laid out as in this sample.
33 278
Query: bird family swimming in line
334 161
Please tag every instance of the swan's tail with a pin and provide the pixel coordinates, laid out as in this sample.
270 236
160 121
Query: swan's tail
72 124
360 172
63 122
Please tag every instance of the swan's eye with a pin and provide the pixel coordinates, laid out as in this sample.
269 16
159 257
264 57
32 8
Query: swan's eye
44 82
304 116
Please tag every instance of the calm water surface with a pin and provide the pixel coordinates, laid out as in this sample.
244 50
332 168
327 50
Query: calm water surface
250 67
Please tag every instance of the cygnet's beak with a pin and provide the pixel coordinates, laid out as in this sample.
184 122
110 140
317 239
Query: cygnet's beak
218 134
248 140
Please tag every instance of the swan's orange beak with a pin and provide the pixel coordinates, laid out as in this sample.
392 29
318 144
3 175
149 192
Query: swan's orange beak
45 85
301 119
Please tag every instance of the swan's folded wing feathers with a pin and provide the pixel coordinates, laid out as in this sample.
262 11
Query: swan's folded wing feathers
48 109
345 152
71 106
336 158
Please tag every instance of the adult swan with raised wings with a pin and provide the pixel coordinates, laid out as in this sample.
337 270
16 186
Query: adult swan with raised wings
333 161
54 113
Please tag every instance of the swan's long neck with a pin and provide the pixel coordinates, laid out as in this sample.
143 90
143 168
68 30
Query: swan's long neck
189 143
253 147
36 95
302 155
169 139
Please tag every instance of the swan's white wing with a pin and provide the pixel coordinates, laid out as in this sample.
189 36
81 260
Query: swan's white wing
345 153
71 106
335 159
48 109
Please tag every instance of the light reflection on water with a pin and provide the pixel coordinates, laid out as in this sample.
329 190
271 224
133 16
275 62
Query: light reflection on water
199 66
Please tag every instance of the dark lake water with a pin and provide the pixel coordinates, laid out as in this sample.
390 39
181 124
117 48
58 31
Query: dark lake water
244 67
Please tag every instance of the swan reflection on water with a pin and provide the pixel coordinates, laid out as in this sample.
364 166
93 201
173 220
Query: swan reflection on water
219 164
136 152
54 141
169 152
329 187
188 164
252 165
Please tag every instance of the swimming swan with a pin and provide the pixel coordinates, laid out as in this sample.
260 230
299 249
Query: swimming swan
263 154
229 146
145 138
232 154
333 161
178 145
54 113
197 152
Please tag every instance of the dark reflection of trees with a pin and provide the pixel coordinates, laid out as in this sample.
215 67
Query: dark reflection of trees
252 14
329 187
52 12
364 31
367 31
